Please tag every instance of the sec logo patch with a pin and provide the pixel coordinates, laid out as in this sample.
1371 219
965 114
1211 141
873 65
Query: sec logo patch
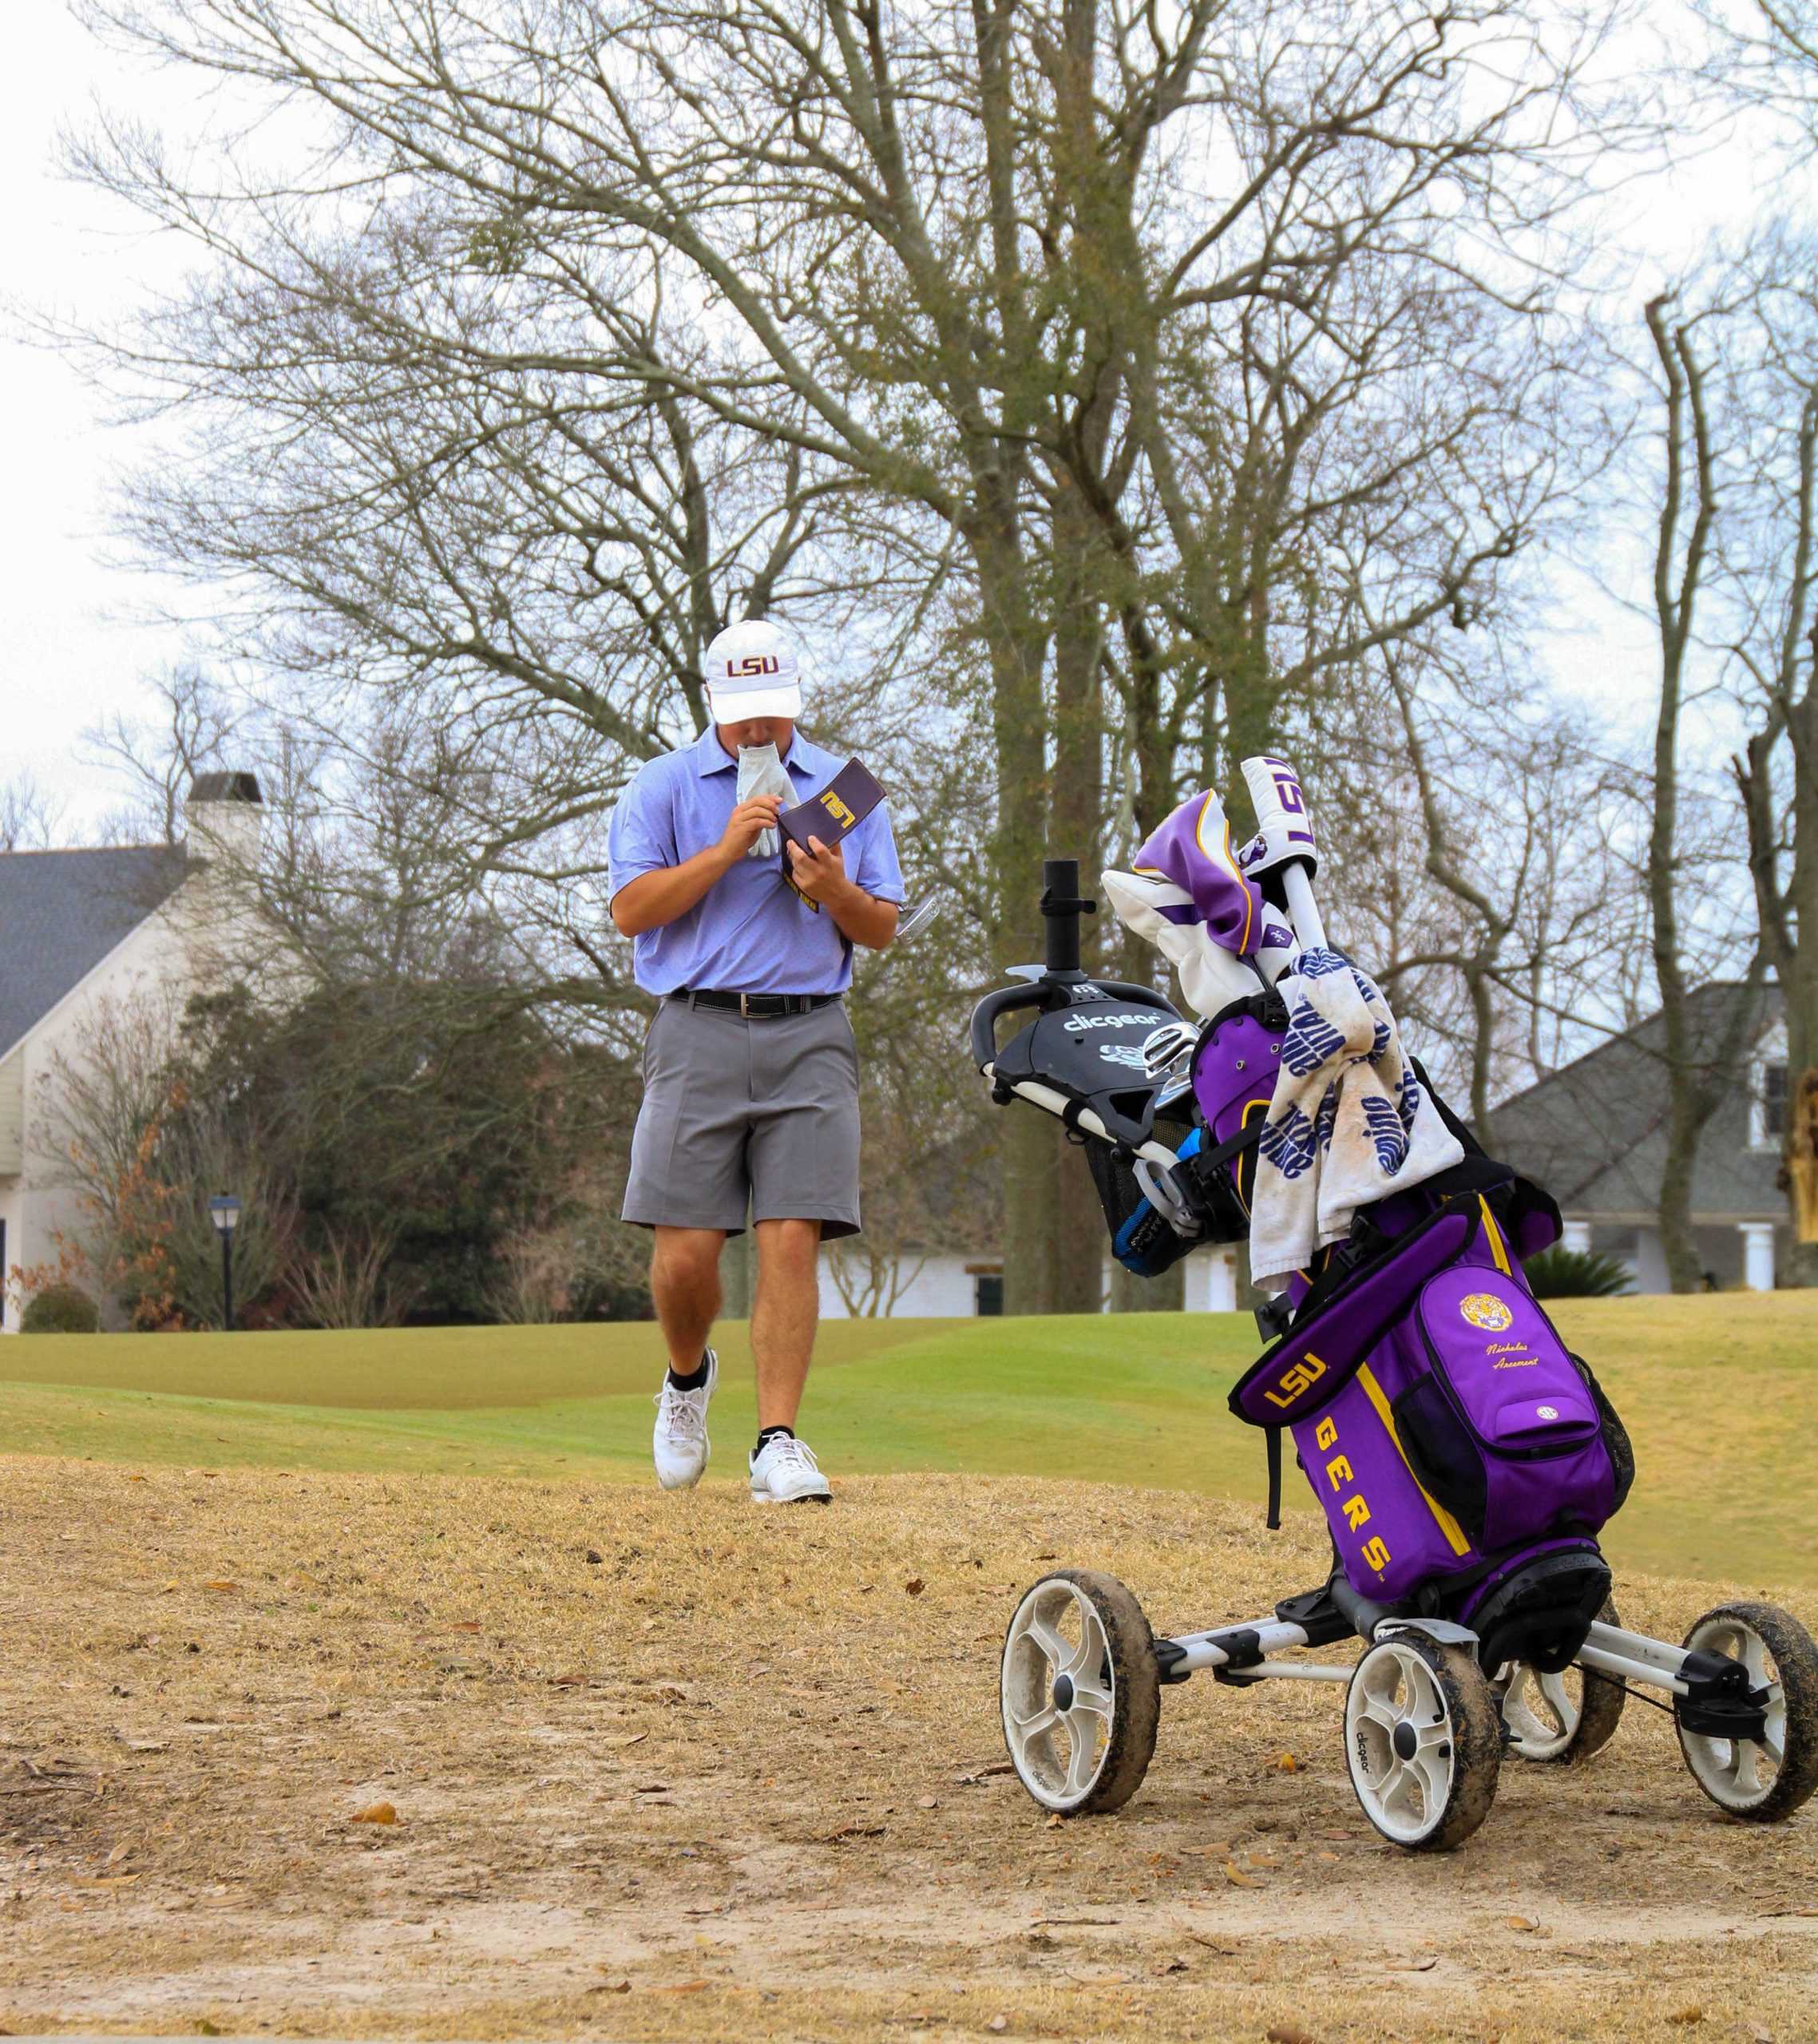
1484 1309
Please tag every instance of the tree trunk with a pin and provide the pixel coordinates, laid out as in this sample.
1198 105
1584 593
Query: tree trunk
1075 830
1032 1202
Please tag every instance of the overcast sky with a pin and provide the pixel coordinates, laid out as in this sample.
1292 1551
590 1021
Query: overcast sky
79 642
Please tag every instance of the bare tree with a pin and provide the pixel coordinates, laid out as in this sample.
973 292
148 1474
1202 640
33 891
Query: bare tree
1097 337
30 818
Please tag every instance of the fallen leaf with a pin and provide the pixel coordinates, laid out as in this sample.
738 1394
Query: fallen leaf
927 1802
631 1739
1288 2033
1287 1763
595 1559
979 1774
1412 1965
1521 1923
915 1586
223 1587
1175 1965
1694 2013
681 1988
118 1854
566 1681
612 1987
998 2025
376 1814
465 1625
652 1788
1238 1878
1055 1822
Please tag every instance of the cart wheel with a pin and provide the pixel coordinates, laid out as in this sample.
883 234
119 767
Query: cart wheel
1423 1741
1081 1694
1563 1717
1766 1781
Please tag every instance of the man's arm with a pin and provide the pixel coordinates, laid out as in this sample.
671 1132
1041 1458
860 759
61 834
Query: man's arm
821 874
660 897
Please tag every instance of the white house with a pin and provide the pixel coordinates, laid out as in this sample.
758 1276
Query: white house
938 1287
132 926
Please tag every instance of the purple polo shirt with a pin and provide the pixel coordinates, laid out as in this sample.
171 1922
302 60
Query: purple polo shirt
749 933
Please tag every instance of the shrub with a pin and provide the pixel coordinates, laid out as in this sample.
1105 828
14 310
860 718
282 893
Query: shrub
1576 1273
60 1309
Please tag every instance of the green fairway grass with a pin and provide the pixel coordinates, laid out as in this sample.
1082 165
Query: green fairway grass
1720 1393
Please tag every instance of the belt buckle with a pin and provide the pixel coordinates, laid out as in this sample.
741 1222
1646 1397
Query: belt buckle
745 1007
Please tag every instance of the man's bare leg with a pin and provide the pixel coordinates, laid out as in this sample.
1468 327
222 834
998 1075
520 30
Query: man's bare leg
784 1316
684 1288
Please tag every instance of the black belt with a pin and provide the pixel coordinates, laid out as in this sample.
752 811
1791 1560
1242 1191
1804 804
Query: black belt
754 1006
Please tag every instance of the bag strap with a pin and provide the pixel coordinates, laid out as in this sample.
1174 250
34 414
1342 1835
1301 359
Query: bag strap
1271 1449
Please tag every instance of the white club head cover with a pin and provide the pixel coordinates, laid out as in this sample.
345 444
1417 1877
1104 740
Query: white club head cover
762 773
1210 977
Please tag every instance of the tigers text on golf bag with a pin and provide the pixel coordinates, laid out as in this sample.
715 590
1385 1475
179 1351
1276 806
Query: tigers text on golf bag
1464 1457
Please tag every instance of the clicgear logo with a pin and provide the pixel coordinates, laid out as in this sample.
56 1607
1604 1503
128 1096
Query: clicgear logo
1076 1023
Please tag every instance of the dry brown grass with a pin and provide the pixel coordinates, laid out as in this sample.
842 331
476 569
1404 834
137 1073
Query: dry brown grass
724 1765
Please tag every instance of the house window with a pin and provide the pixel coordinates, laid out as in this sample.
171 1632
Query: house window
1773 1105
988 1293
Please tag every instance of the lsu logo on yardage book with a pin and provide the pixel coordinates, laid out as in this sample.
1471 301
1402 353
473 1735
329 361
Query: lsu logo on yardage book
836 808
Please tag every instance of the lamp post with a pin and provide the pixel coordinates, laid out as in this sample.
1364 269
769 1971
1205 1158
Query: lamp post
223 1211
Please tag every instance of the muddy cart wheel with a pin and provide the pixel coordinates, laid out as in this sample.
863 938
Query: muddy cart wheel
1767 1780
1423 1741
1559 1719
1081 1693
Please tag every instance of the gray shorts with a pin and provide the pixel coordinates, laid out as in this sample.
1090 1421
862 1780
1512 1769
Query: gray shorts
734 1111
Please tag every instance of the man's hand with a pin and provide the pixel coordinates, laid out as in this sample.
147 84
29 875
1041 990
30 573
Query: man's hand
759 813
820 872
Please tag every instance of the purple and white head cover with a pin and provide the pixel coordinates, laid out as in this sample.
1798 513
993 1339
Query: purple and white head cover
1186 897
1192 849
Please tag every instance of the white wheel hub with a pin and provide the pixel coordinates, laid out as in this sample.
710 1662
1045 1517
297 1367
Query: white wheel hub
1542 1711
1059 1693
1398 1737
1739 1773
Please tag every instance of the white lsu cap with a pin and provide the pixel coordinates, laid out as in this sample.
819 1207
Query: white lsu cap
752 672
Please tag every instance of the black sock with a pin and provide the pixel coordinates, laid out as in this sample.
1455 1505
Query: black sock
695 1381
766 1435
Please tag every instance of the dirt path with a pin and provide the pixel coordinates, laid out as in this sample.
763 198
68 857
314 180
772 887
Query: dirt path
724 1781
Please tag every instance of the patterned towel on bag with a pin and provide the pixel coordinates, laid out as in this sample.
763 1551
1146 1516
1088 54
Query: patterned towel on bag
1349 1123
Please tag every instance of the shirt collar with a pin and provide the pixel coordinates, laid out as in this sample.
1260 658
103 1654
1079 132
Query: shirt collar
711 757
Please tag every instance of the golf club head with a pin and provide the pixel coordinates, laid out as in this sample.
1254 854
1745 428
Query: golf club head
917 916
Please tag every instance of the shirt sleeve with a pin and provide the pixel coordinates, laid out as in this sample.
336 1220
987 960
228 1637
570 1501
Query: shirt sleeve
875 869
641 837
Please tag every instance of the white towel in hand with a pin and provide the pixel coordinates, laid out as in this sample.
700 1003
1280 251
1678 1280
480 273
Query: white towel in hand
1349 1123
762 773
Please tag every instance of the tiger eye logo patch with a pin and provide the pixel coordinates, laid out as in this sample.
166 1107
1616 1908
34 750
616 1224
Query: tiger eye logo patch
1484 1309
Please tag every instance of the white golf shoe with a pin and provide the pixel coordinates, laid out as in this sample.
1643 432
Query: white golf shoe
786 1472
679 1445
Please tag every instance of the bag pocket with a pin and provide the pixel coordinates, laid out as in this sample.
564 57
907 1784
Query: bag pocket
1446 1462
1504 1371
1616 1442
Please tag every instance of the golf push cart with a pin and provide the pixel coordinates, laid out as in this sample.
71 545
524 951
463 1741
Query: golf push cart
1466 1460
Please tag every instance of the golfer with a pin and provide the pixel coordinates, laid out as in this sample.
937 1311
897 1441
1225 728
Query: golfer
751 1074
